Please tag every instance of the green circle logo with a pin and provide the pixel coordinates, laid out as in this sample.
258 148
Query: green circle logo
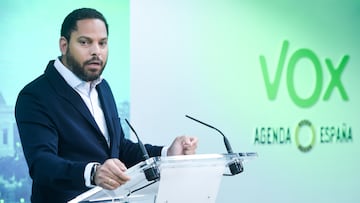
302 124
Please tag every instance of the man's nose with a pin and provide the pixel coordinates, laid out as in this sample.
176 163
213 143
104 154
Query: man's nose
95 49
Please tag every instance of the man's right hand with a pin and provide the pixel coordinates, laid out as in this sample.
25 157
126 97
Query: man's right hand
111 174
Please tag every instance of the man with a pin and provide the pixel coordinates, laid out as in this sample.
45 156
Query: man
68 121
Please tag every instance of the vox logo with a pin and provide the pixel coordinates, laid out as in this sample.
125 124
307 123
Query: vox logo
335 71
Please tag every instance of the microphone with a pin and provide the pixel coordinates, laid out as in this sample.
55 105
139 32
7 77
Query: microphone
153 172
141 145
236 166
226 141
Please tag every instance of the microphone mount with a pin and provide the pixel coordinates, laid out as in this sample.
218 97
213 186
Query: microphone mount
153 172
235 166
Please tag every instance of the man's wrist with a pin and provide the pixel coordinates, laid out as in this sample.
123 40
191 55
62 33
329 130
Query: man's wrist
93 173
164 151
87 174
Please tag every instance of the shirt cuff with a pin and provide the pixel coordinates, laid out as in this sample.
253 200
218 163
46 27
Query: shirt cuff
87 174
164 151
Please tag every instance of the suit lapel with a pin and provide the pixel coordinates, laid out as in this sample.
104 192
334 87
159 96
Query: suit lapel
111 116
69 94
105 100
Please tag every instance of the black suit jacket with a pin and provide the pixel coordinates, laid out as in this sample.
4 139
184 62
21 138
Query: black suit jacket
60 136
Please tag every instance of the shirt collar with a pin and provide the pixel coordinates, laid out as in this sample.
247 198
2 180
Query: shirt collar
71 78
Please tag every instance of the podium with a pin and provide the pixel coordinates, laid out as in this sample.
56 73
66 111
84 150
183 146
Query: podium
172 179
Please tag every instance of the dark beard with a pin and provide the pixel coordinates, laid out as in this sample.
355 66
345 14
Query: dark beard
79 69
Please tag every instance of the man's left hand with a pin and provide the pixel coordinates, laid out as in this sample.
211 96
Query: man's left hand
183 145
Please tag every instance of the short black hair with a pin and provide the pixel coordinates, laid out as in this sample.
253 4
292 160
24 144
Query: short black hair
69 25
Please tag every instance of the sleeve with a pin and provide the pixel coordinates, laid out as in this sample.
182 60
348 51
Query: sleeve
39 138
130 153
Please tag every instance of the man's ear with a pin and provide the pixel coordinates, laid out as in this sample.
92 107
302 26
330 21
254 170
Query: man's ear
63 44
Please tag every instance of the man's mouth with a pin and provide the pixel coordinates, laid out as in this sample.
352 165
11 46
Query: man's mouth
94 63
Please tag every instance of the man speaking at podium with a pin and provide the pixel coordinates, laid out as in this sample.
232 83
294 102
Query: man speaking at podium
68 121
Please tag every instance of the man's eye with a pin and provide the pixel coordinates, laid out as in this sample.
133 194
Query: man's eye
84 42
103 44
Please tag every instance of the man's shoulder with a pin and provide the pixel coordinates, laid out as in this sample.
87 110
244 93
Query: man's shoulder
35 84
41 82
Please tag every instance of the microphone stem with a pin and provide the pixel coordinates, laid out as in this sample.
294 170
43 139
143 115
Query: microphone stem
226 141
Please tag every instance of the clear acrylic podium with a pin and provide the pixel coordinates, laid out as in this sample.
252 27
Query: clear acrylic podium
173 179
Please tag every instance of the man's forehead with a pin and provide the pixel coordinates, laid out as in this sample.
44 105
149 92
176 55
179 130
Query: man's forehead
91 26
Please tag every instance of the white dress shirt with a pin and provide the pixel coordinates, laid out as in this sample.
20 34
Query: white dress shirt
89 94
